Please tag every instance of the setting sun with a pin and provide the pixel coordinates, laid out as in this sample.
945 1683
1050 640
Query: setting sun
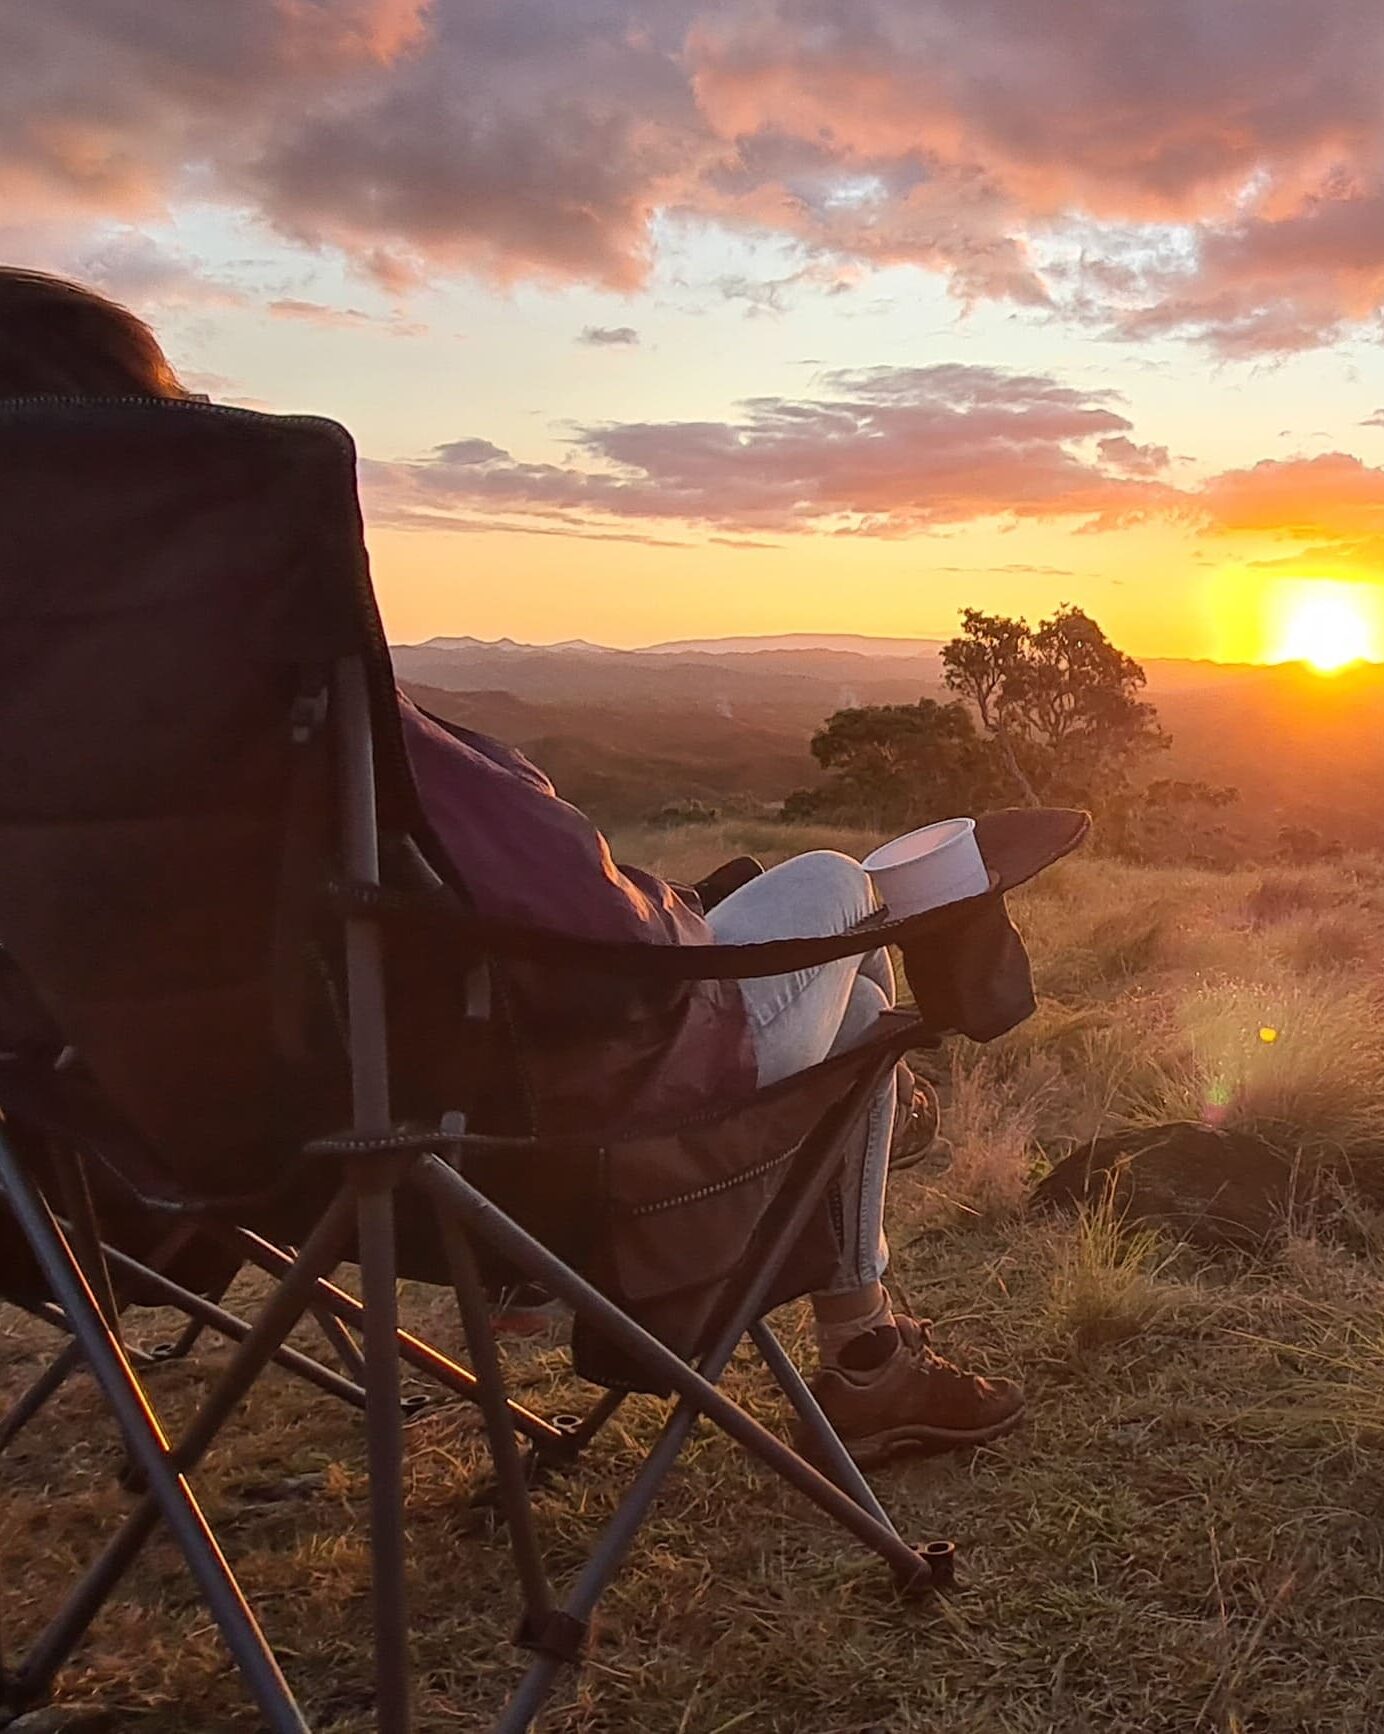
1328 625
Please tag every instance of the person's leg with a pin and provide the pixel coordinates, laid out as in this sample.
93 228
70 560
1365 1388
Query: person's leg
880 1383
878 967
857 1301
796 1021
866 1253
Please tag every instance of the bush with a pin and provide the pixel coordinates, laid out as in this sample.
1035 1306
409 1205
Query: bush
684 813
1279 895
1301 844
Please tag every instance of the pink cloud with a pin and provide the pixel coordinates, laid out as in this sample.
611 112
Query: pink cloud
134 267
1327 511
1131 459
542 138
881 452
342 318
889 453
108 109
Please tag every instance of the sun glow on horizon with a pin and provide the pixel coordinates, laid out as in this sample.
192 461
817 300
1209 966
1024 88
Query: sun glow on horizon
1327 624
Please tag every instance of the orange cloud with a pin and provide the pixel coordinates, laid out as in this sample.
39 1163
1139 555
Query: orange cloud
1330 499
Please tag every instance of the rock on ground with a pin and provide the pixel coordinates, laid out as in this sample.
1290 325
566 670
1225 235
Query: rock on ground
1214 1188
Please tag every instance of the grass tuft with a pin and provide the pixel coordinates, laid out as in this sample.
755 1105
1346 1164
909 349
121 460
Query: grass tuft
1280 894
1106 1284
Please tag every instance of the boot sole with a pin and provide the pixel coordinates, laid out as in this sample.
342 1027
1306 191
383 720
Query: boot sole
918 1440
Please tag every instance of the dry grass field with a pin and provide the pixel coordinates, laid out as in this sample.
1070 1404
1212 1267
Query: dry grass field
1188 1534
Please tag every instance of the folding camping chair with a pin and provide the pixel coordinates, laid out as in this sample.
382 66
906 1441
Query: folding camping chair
215 879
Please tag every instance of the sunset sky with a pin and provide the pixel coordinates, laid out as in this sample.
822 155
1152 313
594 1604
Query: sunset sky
659 319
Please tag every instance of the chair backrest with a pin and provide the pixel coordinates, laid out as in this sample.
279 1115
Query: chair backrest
177 582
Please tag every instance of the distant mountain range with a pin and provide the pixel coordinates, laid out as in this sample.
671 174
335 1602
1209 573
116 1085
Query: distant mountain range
855 641
625 732
790 684
848 641
729 721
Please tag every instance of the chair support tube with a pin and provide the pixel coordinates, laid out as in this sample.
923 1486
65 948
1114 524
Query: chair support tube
170 1496
417 1353
228 1324
845 1471
504 1451
321 1254
450 1191
374 1184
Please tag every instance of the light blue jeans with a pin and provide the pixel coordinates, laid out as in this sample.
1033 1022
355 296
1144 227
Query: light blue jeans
798 1020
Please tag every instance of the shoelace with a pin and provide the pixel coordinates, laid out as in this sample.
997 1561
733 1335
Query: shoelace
916 1335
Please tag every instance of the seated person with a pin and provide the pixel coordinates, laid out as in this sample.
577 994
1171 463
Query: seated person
525 854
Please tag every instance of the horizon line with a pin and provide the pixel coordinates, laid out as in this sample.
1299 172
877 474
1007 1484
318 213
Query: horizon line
664 646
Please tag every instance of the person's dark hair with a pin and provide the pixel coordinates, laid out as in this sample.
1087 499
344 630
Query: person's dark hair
61 339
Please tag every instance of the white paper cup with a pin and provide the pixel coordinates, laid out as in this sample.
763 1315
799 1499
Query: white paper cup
939 864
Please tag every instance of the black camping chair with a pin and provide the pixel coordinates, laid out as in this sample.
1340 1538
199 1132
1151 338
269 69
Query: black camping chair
265 1014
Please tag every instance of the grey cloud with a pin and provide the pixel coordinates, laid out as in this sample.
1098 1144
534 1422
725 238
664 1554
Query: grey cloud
609 336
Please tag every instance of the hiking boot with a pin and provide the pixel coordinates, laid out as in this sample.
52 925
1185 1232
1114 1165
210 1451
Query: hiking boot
916 1121
892 1395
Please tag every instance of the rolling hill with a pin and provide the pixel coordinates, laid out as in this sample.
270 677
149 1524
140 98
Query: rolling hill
625 732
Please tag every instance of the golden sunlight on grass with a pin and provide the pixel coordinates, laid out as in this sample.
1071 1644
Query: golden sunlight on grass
1186 1535
1327 625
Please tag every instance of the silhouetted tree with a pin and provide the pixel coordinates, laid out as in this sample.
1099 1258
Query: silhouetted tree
1303 844
1058 700
1174 819
899 765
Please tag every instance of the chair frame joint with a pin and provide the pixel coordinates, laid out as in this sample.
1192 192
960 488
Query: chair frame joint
557 1635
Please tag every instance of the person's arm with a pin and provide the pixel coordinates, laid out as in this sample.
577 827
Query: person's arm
523 852
498 752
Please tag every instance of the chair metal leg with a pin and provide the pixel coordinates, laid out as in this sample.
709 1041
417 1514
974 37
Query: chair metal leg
44 1311
623 1526
85 1234
416 1353
320 1255
184 1343
815 1168
228 1324
451 1192
340 1341
575 1433
845 1471
604 1561
170 1496
49 1382
187 1339
504 1450
384 1424
698 1395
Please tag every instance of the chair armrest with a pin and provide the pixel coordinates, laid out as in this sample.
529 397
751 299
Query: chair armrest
517 942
